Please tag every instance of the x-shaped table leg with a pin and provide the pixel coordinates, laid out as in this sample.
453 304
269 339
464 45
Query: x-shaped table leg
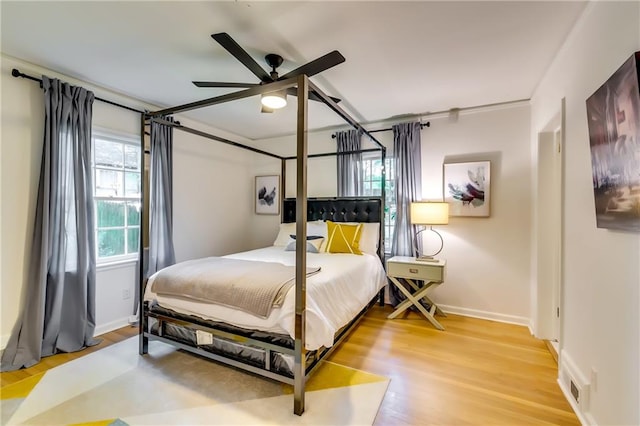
414 299
427 284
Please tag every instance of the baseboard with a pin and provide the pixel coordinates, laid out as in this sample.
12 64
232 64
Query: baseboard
570 376
102 329
113 325
552 350
492 316
584 418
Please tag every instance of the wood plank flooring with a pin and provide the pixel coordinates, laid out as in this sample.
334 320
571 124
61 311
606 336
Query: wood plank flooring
476 372
49 362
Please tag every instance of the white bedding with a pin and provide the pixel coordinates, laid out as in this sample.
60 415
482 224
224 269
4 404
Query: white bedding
342 288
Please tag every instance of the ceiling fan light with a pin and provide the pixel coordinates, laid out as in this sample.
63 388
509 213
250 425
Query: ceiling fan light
274 100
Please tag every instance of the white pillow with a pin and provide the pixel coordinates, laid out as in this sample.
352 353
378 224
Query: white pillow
283 237
369 238
316 227
313 246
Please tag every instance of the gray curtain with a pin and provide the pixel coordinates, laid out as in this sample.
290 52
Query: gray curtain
58 303
161 252
349 179
408 159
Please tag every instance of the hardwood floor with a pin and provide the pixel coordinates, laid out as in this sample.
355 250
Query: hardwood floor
49 362
476 372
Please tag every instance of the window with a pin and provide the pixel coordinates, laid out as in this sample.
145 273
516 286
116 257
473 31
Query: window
371 185
116 194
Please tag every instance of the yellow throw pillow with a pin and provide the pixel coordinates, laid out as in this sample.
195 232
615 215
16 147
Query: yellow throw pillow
343 238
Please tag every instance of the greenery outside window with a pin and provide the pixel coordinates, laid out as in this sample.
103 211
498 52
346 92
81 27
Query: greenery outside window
371 185
117 192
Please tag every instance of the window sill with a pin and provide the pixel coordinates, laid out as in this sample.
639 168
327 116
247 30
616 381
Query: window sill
105 266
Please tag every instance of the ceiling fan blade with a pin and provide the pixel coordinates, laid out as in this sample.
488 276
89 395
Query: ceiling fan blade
316 66
312 95
240 54
218 84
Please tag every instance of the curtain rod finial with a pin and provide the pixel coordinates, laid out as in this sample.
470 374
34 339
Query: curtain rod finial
16 73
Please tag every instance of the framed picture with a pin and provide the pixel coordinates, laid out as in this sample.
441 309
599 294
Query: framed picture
613 114
467 188
267 194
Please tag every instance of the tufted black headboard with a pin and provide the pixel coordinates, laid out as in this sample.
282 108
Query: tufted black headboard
345 209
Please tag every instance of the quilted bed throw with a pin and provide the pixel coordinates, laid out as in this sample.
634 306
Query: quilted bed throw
251 286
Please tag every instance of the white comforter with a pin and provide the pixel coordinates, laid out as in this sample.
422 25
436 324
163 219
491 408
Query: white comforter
344 285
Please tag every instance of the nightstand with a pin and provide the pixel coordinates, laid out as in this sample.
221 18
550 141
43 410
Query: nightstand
412 270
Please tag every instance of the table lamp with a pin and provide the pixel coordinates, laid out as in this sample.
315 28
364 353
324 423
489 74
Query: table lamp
429 213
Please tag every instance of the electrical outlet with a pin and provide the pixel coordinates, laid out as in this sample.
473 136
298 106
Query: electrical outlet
126 294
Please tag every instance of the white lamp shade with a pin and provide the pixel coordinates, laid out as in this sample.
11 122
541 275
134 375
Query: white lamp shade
274 100
429 213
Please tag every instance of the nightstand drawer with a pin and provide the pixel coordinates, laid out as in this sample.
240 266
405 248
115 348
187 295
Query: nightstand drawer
415 271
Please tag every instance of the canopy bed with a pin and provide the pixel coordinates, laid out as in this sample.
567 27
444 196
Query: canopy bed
283 347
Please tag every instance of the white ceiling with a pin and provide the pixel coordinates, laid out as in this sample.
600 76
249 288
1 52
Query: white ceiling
402 58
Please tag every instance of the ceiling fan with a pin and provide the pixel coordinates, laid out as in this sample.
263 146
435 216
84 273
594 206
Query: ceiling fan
275 100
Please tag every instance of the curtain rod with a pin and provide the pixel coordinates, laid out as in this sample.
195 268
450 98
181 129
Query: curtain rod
16 73
422 125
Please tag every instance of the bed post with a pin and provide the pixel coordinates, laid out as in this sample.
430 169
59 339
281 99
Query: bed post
283 185
143 340
299 369
383 195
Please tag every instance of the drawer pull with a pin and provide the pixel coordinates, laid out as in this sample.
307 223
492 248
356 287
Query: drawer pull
413 271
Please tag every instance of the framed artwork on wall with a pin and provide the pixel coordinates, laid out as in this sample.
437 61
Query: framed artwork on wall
267 194
613 114
467 188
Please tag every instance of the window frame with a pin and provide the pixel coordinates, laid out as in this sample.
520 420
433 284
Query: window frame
389 174
124 139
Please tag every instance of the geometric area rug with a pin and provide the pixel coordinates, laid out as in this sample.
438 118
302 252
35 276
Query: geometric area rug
116 386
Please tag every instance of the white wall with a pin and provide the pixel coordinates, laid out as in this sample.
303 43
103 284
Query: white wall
601 271
488 271
321 176
115 296
22 115
488 259
213 187
213 195
19 170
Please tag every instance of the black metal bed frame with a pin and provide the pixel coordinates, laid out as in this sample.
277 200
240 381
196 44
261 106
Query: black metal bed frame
304 88
337 209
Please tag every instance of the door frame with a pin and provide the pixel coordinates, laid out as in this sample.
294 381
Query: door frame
549 216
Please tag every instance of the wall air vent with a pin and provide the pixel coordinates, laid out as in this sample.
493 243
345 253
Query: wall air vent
575 387
575 392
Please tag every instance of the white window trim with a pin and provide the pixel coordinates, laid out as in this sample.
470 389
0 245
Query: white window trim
373 156
113 263
110 262
115 134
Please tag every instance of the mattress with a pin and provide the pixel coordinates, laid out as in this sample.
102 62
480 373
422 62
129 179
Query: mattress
335 295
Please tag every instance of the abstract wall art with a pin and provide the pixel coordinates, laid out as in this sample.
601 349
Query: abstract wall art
267 194
613 114
467 188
